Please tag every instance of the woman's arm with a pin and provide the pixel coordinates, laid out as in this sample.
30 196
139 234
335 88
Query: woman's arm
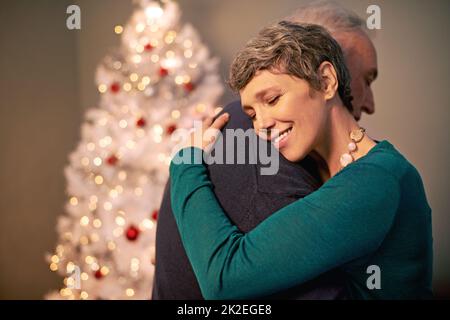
347 218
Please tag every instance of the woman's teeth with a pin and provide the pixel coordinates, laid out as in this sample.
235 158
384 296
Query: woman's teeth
280 137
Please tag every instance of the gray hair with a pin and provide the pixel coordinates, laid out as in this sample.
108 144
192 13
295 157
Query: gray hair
294 49
330 15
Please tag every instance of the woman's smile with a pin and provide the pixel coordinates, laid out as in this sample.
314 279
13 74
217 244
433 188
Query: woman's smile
282 139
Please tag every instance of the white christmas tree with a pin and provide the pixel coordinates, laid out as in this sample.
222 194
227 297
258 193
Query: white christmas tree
159 80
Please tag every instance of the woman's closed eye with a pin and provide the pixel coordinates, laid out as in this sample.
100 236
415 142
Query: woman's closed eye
273 101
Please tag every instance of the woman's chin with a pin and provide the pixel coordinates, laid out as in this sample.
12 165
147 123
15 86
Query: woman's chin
292 155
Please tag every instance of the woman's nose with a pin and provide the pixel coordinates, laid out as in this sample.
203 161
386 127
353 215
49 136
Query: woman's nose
264 126
264 121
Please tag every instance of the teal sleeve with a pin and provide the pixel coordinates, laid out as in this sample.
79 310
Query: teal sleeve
347 218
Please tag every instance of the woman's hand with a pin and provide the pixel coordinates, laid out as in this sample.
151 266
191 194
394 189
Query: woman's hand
204 136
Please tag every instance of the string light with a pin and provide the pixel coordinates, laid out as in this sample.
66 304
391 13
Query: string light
84 221
158 129
123 123
134 265
129 292
118 29
153 12
120 221
134 77
170 37
89 259
73 201
146 224
70 267
139 48
141 86
154 58
84 240
104 270
179 80
140 27
97 161
85 161
154 42
111 245
69 282
113 193
170 54
146 80
175 114
200 108
119 188
118 232
98 180
97 223
95 237
136 58
102 88
92 206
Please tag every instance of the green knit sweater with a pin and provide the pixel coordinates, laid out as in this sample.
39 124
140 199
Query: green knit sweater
374 212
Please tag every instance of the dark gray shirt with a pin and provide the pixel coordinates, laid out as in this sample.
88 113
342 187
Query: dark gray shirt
248 198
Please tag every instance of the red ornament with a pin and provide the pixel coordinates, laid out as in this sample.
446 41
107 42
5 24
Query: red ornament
148 47
155 214
171 128
132 233
141 122
112 160
163 72
189 86
98 274
115 87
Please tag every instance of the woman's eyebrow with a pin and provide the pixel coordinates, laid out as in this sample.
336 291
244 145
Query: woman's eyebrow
261 94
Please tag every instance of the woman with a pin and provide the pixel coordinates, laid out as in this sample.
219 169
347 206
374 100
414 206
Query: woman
371 213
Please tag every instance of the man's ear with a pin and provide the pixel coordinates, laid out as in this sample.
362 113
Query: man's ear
329 79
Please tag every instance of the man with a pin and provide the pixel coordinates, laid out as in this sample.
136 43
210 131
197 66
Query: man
249 197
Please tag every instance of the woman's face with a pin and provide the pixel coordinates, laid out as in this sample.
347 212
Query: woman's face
292 113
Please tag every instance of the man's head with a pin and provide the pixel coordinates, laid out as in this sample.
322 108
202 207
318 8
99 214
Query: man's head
349 31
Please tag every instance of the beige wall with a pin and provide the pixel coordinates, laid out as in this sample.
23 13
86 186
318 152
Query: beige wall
49 84
39 123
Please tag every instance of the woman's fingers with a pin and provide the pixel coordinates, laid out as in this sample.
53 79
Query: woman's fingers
212 129
220 121
207 122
